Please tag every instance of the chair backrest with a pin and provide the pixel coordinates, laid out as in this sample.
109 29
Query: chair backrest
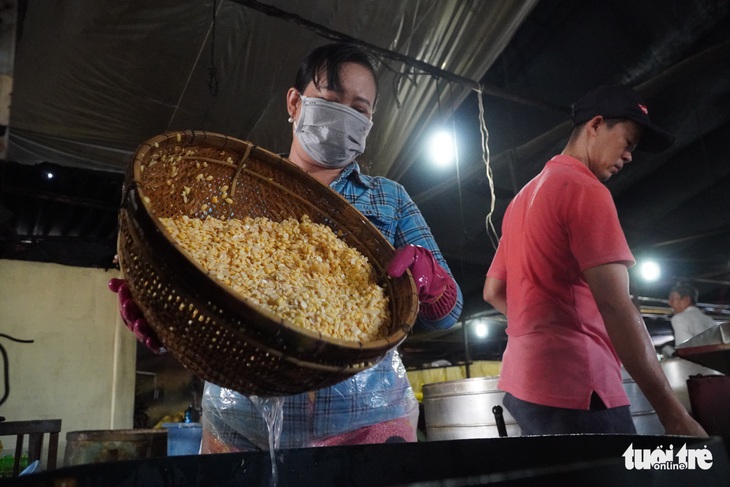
35 429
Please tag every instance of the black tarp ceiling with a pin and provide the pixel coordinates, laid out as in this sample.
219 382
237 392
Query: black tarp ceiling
94 79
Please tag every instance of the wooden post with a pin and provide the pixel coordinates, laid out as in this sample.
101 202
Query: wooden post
9 22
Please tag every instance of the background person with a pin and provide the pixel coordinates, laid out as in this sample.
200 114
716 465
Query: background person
560 275
688 320
330 107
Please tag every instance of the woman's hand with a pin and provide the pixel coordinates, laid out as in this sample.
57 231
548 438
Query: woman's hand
133 318
436 288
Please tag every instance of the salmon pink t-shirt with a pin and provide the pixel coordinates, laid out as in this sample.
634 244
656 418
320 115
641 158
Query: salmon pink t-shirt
558 352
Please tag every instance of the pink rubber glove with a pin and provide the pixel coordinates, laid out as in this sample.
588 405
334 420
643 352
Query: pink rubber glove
133 318
436 288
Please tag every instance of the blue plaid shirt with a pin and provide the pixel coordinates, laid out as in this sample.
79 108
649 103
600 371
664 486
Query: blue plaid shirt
389 207
379 394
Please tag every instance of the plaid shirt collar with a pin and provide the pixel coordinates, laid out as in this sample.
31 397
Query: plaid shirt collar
353 173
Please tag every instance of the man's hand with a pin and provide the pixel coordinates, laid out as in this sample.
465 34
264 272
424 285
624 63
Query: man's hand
609 284
684 425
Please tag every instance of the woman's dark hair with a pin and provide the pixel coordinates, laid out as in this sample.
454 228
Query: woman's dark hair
326 61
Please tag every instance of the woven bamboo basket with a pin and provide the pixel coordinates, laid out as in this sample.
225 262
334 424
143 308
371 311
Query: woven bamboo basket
211 330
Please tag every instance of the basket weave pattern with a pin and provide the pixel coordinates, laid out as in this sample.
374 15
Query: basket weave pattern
211 330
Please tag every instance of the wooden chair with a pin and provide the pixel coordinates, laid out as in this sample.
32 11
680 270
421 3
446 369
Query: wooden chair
35 430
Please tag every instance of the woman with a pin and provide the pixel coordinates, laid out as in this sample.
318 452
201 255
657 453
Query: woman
330 107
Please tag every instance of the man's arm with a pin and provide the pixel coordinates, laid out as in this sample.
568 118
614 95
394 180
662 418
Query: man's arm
609 284
495 293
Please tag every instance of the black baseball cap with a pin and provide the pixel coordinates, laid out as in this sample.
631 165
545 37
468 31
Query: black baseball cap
617 101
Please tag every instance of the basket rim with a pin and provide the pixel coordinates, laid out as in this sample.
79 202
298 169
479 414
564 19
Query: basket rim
232 296
188 267
135 192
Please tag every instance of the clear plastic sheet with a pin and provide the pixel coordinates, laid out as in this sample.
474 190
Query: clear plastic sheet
380 395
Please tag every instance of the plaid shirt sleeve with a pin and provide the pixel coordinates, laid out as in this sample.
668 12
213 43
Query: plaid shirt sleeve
392 211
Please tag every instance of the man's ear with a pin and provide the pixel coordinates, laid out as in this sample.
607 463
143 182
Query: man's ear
595 122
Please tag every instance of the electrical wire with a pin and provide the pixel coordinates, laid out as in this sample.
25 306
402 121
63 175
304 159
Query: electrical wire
417 64
491 230
6 365
212 70
211 31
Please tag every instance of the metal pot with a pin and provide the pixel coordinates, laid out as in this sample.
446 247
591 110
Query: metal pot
645 419
465 409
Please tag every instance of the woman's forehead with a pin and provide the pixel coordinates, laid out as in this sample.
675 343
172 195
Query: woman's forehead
351 77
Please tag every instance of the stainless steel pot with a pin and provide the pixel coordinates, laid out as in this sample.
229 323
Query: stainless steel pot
677 371
645 419
464 409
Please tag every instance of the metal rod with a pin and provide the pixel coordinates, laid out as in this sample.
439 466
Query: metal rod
466 351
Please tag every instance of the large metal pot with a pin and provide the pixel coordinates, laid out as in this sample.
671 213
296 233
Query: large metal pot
465 409
677 371
645 419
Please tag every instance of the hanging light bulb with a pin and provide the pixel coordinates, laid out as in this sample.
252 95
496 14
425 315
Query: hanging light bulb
481 330
442 148
650 270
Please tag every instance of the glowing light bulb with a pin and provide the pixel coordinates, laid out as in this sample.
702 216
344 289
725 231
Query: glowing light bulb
650 270
442 148
481 330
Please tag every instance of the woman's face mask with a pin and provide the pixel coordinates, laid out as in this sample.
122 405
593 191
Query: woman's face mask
331 133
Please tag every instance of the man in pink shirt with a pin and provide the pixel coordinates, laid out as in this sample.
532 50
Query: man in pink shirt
560 275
